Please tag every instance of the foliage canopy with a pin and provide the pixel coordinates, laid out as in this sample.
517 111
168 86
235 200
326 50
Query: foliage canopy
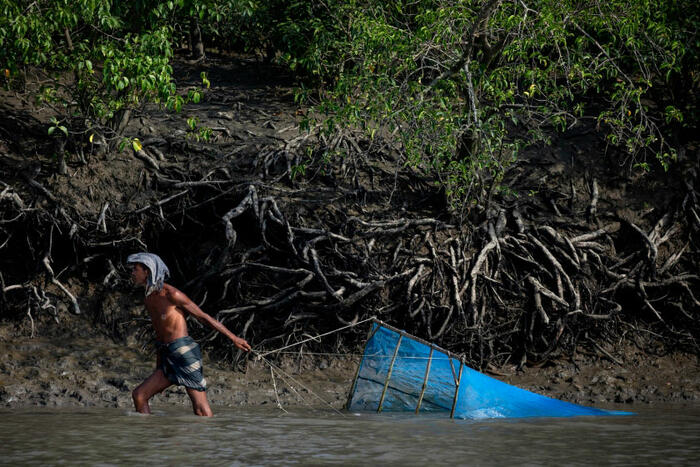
466 84
462 85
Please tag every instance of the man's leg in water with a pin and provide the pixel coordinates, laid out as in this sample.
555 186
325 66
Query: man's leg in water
200 405
151 386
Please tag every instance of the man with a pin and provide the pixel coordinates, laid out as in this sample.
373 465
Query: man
179 359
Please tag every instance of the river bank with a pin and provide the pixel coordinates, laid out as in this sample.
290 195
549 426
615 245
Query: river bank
71 365
279 236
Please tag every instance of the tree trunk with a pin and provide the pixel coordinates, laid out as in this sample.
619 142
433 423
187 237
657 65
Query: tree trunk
196 41
61 153
120 120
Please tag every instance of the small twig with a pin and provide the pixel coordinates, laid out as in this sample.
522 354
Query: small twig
593 207
605 352
161 202
101 219
74 301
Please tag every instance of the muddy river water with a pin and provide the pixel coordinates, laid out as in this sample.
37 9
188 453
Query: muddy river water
265 436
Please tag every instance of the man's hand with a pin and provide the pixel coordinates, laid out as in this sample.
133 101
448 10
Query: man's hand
241 344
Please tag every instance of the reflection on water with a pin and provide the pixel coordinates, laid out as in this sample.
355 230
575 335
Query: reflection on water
256 436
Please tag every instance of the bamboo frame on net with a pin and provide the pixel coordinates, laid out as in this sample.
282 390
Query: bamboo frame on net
388 374
457 375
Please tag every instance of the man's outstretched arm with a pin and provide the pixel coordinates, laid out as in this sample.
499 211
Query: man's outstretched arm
183 302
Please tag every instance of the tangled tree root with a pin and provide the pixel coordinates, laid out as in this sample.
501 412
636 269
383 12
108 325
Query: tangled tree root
288 258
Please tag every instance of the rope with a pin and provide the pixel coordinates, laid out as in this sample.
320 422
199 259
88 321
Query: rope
316 337
261 356
330 354
274 384
272 365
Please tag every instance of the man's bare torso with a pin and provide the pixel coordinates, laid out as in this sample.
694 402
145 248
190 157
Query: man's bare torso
168 320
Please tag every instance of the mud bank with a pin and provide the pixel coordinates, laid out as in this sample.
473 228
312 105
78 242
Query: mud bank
72 366
254 195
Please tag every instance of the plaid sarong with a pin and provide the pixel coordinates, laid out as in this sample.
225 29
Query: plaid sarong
181 362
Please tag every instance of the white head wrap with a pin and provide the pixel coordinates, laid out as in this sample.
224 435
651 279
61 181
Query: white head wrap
159 271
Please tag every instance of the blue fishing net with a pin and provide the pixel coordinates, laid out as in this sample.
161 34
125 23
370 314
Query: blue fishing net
472 395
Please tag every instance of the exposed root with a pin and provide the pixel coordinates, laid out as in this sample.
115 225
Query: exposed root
280 259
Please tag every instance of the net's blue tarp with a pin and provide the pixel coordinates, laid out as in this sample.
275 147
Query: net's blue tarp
478 396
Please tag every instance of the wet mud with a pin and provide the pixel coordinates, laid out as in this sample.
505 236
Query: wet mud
70 366
68 370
